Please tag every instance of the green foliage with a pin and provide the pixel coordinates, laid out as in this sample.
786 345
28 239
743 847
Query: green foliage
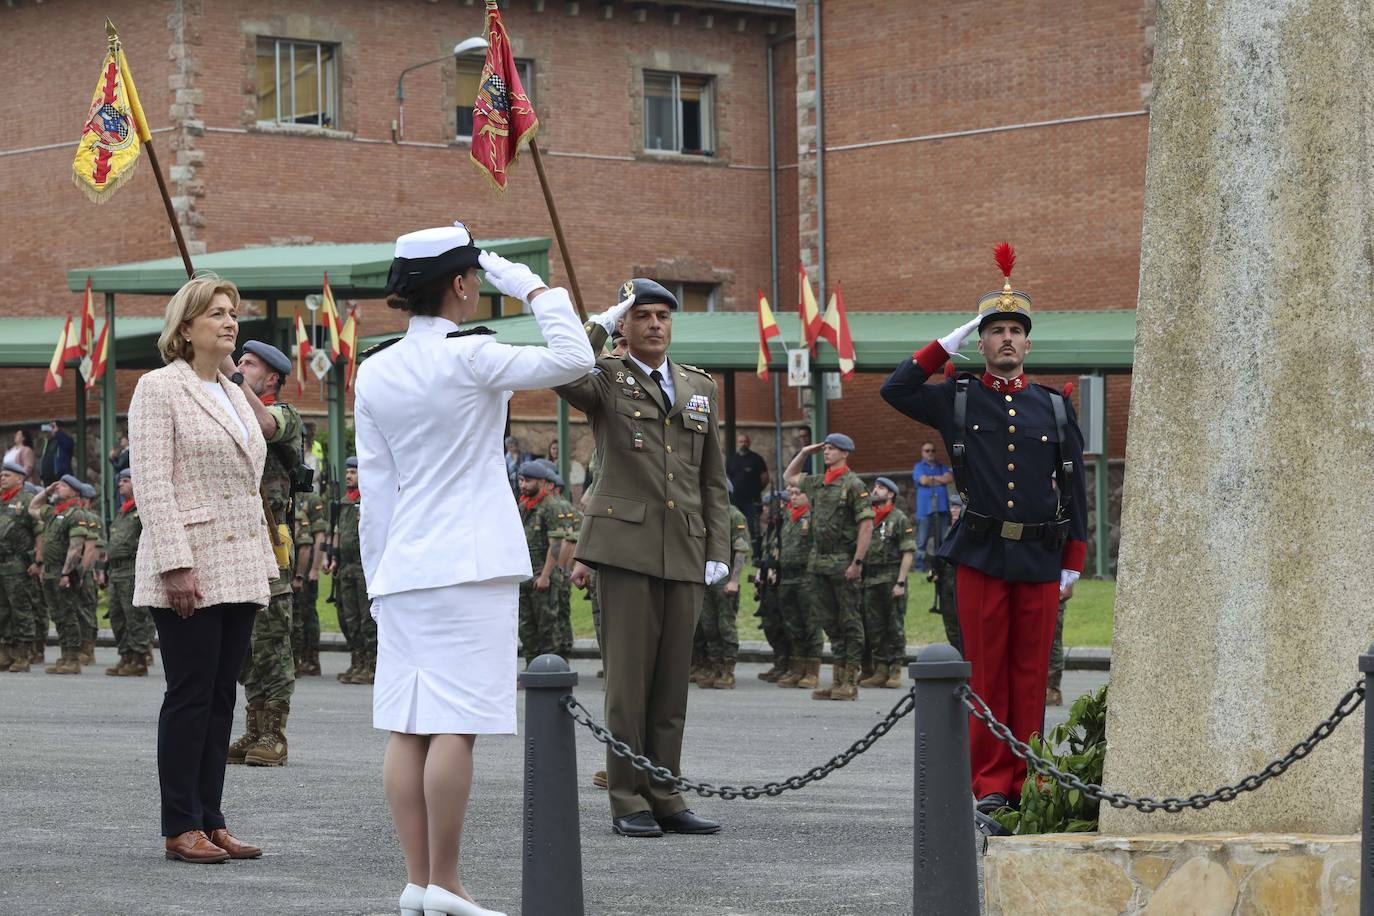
1046 806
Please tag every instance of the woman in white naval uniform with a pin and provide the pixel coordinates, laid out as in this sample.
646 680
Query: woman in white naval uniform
442 544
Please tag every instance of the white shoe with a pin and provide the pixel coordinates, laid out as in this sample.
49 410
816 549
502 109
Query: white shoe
439 902
413 900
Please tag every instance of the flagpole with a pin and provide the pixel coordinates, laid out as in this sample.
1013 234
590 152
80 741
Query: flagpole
557 229
171 212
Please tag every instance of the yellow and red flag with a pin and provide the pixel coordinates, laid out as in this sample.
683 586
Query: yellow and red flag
767 328
53 381
809 312
302 352
100 354
114 128
348 340
87 336
502 117
330 316
835 328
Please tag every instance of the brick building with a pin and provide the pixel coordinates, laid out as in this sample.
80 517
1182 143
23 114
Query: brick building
946 126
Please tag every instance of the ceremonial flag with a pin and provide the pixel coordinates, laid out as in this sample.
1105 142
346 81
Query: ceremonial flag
809 312
835 328
99 355
767 328
87 335
59 359
348 339
330 316
302 352
502 117
115 125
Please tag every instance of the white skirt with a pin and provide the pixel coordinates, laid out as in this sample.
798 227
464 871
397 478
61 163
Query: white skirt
446 659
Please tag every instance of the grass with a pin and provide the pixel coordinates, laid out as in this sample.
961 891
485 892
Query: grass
1087 622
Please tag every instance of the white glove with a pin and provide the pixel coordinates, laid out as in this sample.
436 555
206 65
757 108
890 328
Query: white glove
512 279
1067 577
955 338
715 571
608 318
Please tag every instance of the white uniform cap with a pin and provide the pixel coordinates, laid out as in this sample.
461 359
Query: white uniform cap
430 243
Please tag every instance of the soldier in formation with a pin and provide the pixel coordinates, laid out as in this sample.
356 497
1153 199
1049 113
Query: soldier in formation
21 603
770 611
803 635
717 629
545 520
350 586
312 526
132 625
64 528
886 567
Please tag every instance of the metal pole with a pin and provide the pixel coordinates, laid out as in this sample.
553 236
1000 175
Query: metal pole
81 443
730 419
1367 822
778 466
944 865
819 409
564 459
336 422
109 418
1102 471
820 155
552 863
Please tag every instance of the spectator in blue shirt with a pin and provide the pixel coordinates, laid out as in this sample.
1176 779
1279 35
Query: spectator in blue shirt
932 499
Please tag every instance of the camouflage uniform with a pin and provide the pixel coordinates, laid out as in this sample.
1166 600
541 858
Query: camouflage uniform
20 602
353 603
62 525
88 593
544 526
132 625
571 524
793 603
305 617
836 511
1057 650
884 615
718 624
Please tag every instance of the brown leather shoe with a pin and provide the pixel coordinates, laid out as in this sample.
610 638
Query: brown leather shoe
236 848
194 846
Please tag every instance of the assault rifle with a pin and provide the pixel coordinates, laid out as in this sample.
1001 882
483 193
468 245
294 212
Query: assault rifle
770 549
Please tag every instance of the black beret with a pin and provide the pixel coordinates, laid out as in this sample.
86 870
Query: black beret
645 291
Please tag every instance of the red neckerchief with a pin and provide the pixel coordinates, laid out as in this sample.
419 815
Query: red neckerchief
882 512
999 385
529 502
835 473
10 494
353 495
798 512
63 506
127 505
268 400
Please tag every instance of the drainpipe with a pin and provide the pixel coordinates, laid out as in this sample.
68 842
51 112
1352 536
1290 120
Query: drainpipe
773 240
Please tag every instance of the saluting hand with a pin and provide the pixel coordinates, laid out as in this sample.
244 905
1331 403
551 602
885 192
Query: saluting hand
611 317
510 277
955 338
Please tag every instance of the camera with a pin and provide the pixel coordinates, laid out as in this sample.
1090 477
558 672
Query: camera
302 479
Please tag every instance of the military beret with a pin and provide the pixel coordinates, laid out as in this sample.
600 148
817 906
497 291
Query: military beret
645 290
535 470
557 479
840 441
956 500
86 490
426 255
15 467
73 482
275 359
887 482
351 462
126 474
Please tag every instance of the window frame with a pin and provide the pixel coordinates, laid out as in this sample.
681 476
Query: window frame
523 65
706 129
679 289
326 90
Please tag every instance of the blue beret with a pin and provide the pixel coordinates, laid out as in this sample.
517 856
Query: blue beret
840 441
126 474
535 470
72 482
645 290
887 482
276 359
87 490
351 462
956 500
15 467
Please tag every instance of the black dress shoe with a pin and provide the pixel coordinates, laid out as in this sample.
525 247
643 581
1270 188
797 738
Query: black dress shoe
687 822
992 802
641 823
987 826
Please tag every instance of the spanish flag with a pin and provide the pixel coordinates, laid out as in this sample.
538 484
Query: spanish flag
330 316
87 320
348 340
66 347
114 128
767 328
809 312
302 352
835 328
100 354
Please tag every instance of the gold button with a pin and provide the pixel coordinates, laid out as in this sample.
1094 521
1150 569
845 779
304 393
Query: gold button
229 537
671 504
636 413
667 422
1011 411
227 496
1044 438
700 428
669 449
1011 504
1011 485
1008 397
670 475
610 510
1011 467
1011 447
1011 429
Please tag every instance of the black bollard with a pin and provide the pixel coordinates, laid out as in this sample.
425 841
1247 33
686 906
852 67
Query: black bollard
552 869
945 868
1367 822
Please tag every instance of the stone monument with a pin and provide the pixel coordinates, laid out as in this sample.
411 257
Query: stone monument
1244 598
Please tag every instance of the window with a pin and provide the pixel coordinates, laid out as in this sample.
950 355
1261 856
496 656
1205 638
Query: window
678 113
693 297
496 305
469 81
297 82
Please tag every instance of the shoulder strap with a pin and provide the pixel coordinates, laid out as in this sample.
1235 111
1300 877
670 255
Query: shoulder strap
958 453
480 329
1063 470
376 348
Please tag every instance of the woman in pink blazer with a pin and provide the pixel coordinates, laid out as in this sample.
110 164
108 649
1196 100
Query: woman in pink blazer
204 558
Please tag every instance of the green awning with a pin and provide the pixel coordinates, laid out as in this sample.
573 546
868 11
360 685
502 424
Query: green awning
29 342
1062 341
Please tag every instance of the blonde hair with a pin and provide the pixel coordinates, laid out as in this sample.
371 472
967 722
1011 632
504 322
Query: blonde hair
189 303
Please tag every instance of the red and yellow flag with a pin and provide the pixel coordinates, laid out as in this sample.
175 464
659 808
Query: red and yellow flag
302 352
87 336
767 328
835 328
348 340
503 117
330 316
114 128
100 354
53 381
810 313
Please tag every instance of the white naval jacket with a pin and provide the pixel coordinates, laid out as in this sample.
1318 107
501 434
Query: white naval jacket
437 507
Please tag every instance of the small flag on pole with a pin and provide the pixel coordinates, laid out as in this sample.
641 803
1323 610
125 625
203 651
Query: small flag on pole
87 336
502 116
809 312
53 381
110 140
835 328
767 328
100 353
302 352
330 314
348 340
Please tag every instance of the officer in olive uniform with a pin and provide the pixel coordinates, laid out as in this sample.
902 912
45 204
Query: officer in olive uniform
657 531
132 625
886 567
20 601
312 526
942 574
841 527
719 626
269 673
1017 455
355 608
544 521
63 532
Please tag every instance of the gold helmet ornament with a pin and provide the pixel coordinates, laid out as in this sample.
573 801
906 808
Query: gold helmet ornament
1006 302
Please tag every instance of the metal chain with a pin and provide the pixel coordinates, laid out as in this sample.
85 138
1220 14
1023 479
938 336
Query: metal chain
581 715
978 708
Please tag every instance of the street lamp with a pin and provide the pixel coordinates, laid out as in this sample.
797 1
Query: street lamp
466 46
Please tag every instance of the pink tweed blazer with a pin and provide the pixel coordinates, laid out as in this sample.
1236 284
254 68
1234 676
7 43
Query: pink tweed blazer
196 482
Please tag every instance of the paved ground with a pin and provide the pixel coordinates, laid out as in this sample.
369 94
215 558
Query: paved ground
78 810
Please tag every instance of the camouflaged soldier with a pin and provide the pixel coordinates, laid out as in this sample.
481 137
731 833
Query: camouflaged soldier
841 527
720 612
355 607
886 567
770 613
1054 696
19 597
312 525
132 625
572 523
804 636
544 535
269 673
92 563
62 539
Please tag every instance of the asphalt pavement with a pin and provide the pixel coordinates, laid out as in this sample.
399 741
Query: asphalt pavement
79 809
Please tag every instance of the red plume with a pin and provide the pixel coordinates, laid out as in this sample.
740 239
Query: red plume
1005 256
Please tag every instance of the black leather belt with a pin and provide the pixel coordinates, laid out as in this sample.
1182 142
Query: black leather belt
983 525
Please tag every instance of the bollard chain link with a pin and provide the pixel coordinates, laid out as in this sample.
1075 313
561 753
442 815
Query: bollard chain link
978 708
582 716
